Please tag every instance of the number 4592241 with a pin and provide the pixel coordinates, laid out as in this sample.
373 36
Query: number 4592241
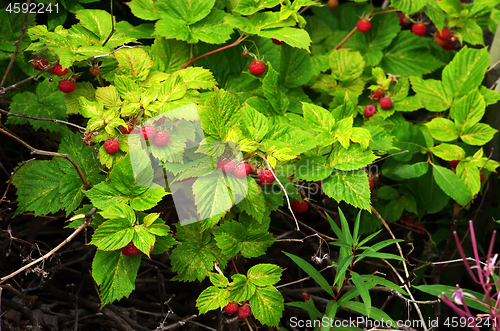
33 8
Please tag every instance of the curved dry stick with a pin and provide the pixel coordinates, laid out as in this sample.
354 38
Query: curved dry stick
67 240
4 89
38 151
81 128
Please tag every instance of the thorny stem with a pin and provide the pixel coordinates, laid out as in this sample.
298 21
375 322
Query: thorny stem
215 51
81 128
40 152
23 30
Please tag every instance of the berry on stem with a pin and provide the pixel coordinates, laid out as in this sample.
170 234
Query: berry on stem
67 86
242 170
453 163
376 95
95 71
266 177
225 165
444 34
450 45
363 25
148 132
127 129
277 42
385 103
130 249
86 139
419 29
481 177
404 21
257 68
161 139
370 110
38 63
243 311
371 184
58 70
441 42
231 308
299 207
111 146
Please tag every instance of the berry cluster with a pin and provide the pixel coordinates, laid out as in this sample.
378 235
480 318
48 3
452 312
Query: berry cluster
445 39
160 139
242 311
385 103
227 166
66 85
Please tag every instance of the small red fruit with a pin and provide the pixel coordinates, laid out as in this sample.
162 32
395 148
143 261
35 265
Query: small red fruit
419 29
130 249
257 68
363 25
127 129
277 42
370 110
376 95
111 146
441 42
371 184
231 308
225 165
243 311
38 63
242 170
333 4
453 163
58 70
161 139
404 21
481 177
66 86
385 103
444 34
266 177
148 132
450 45
299 207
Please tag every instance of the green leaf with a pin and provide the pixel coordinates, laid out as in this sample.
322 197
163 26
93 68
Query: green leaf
387 193
346 65
210 299
363 291
254 202
212 29
375 313
264 274
352 158
443 129
145 9
240 289
115 273
384 282
468 110
197 78
432 93
212 195
134 63
249 7
409 6
254 124
469 173
466 71
350 186
120 211
295 66
104 195
150 218
219 114
478 135
430 194
113 234
294 37
318 118
408 137
218 279
452 185
267 305
311 271
312 168
471 32
448 152
273 93
189 12
490 96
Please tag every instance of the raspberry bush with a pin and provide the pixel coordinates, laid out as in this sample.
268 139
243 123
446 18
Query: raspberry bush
213 142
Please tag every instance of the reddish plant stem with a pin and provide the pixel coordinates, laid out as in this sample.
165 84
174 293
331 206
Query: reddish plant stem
346 278
345 39
385 11
215 51
234 265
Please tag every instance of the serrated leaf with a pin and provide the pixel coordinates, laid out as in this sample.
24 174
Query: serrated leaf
352 158
210 299
471 32
264 274
478 134
295 66
115 273
452 185
189 12
409 6
249 7
448 152
254 125
346 65
218 279
113 234
134 63
220 114
240 288
318 118
469 173
312 168
254 202
294 37
349 186
442 129
119 211
273 93
432 93
267 305
197 78
468 110
143 239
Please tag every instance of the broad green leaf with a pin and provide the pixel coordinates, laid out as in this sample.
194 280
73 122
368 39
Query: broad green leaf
349 186
115 273
443 129
350 159
430 194
254 124
150 218
466 71
104 195
249 7
387 193
241 289
408 137
471 32
120 211
363 291
470 174
311 271
212 29
346 65
264 274
409 6
478 134
448 152
210 299
143 239
435 13
174 54
218 279
219 114
113 234
197 78
398 170
212 195
468 110
318 118
267 305
145 9
254 202
294 37
432 93
189 12
453 186
295 66
134 63
312 168
273 93
490 96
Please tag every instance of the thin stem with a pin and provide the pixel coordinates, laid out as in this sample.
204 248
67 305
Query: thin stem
385 11
5 89
81 128
23 30
40 152
345 39
234 265
215 51
113 30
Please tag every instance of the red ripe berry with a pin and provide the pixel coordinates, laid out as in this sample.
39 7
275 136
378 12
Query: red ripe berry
266 177
370 110
450 45
243 311
371 184
111 146
231 308
277 42
161 139
257 68
385 103
299 207
419 29
225 165
363 25
404 22
407 220
453 163
58 70
160 121
481 177
376 95
441 42
38 63
127 129
444 34
148 132
242 170
67 86
130 249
